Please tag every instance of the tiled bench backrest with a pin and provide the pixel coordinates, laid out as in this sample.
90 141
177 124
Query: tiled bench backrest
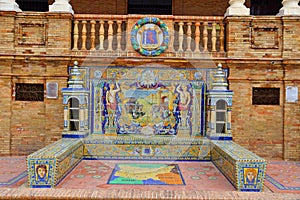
143 148
47 166
244 169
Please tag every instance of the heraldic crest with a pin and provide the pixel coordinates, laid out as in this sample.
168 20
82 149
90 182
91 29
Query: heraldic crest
149 36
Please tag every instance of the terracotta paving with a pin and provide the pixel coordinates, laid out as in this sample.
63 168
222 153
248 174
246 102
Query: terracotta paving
13 171
96 173
283 177
202 181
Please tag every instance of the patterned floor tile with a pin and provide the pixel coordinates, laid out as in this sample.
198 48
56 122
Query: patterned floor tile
283 177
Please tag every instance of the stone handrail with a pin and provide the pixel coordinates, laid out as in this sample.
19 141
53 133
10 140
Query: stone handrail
189 35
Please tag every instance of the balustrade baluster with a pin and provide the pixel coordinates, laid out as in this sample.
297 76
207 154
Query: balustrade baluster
75 36
93 22
125 35
221 37
171 48
101 35
110 35
205 36
119 35
189 36
83 35
180 39
214 37
197 37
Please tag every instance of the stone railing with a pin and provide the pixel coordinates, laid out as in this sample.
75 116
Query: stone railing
109 35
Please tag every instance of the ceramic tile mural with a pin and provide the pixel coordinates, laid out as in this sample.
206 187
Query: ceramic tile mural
149 101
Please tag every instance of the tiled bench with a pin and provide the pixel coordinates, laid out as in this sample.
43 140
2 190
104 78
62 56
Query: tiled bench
98 146
245 170
49 165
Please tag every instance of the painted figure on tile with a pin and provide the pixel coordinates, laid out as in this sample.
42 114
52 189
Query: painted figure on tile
184 104
250 175
111 103
41 171
150 37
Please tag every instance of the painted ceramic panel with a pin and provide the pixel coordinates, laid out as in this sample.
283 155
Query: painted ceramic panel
41 172
149 101
251 175
156 148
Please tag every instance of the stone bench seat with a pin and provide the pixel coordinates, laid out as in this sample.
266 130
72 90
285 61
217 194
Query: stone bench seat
49 165
245 170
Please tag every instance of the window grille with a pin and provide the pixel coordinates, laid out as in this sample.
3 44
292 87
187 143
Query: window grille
265 96
29 92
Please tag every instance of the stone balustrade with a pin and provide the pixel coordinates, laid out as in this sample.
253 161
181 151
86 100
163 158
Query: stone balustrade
110 34
99 32
195 35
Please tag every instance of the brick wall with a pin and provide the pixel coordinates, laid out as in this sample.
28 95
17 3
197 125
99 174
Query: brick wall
5 104
26 126
259 128
7 31
291 63
258 56
292 114
29 125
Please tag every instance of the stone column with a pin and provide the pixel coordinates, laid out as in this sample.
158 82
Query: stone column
9 5
61 6
237 8
290 7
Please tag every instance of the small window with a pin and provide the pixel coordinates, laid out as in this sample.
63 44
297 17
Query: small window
74 114
265 96
29 92
221 107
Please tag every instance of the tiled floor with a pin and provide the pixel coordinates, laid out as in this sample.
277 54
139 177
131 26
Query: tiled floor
282 177
96 173
13 171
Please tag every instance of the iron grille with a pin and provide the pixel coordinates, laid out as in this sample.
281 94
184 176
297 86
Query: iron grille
29 92
266 96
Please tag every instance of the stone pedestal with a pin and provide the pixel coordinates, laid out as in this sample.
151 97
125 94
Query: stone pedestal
237 8
61 6
290 7
9 5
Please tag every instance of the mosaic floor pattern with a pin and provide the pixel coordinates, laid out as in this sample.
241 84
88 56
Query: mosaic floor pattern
146 174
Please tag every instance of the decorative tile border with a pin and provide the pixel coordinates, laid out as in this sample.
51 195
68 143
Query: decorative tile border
14 180
279 185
